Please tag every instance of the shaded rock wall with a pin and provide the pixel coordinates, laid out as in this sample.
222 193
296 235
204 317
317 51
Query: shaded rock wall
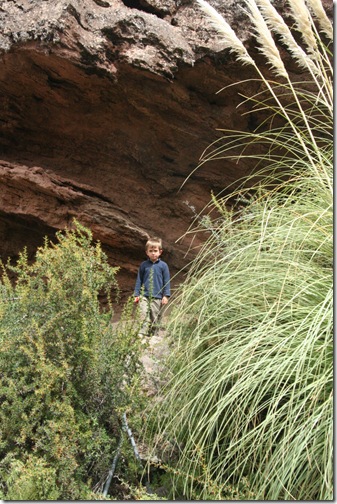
106 106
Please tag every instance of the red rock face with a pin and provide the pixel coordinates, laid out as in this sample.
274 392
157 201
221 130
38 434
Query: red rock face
106 107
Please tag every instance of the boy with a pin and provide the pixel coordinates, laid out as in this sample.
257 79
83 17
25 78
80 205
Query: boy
153 280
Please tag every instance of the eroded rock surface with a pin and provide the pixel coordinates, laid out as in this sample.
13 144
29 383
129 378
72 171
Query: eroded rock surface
106 106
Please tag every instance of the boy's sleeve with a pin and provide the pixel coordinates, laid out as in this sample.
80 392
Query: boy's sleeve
166 279
138 285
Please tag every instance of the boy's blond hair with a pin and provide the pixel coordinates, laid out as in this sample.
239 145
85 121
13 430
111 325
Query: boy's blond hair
154 242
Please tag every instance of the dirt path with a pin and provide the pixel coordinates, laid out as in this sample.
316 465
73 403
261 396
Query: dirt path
153 360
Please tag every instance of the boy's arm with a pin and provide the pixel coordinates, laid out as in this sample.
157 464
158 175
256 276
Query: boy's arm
138 285
166 280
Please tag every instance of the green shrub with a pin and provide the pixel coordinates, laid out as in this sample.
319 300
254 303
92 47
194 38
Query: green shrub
66 372
250 393
32 480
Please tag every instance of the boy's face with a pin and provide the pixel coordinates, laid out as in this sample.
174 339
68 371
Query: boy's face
153 252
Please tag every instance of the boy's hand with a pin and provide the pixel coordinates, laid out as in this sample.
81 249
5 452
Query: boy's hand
164 300
136 300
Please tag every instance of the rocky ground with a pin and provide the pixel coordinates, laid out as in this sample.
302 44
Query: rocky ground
153 360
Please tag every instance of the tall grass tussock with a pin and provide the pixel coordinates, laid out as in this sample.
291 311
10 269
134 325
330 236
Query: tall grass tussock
250 394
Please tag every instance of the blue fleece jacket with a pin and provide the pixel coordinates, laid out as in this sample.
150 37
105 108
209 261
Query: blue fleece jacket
155 277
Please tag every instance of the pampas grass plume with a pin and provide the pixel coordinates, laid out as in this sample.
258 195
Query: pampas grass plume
229 36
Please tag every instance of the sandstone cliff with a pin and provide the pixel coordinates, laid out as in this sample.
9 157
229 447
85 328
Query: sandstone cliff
106 107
